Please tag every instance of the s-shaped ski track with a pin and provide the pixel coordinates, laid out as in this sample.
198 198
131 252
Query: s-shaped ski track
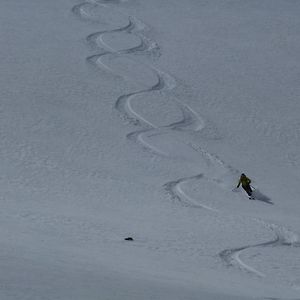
190 120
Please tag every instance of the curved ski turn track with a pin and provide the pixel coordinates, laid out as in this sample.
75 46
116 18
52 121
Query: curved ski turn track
282 237
122 43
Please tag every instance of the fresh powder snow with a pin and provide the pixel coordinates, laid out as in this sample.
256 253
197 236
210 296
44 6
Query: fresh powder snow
124 128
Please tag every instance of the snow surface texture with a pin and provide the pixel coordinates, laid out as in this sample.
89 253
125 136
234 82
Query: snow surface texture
148 139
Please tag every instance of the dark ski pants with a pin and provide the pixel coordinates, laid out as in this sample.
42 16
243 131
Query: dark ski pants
248 189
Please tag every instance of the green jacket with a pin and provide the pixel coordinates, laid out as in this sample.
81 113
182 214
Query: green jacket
244 180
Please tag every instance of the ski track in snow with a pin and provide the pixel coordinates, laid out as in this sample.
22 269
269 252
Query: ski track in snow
174 188
282 237
190 121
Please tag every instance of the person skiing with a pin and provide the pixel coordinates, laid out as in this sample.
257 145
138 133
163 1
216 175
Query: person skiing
245 181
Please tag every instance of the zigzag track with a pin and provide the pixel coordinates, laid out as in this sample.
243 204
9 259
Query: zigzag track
145 45
283 237
174 188
190 122
123 103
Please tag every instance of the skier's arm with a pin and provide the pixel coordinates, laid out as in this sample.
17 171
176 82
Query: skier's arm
239 184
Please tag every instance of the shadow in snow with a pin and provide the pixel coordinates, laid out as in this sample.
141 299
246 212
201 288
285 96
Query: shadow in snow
261 197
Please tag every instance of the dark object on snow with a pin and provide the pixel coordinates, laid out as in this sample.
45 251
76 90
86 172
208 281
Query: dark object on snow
129 239
245 181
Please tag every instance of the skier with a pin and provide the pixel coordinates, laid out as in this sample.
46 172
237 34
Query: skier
245 181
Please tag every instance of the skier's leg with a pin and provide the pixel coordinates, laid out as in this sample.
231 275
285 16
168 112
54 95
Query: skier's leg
248 190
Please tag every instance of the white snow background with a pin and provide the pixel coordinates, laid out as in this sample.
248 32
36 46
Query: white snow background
135 119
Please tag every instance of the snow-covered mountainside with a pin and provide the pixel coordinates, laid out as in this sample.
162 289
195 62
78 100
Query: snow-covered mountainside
135 118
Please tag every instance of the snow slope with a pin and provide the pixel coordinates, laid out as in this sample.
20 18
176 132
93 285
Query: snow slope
135 118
